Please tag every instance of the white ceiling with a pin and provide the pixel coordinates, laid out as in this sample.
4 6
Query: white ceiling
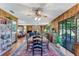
21 10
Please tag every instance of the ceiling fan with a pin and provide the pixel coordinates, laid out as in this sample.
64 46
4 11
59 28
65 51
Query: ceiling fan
38 14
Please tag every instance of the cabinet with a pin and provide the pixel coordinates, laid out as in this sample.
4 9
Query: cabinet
7 31
5 35
76 46
14 29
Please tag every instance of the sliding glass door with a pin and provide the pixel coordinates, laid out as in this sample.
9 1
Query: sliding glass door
67 33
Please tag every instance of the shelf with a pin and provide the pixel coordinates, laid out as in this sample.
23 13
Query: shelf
13 32
7 36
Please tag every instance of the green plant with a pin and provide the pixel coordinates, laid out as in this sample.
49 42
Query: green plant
10 17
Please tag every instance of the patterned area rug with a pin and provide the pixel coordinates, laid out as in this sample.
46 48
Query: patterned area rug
28 51
46 52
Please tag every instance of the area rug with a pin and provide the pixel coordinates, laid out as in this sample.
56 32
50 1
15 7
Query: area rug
29 52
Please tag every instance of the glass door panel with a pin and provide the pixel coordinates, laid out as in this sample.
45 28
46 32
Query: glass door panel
64 34
68 34
78 30
60 30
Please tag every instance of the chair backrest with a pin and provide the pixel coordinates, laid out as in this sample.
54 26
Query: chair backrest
37 43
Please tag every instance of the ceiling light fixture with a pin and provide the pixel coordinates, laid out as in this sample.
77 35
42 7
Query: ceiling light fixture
37 18
38 15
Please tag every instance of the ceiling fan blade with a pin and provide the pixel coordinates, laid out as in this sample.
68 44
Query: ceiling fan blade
30 14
